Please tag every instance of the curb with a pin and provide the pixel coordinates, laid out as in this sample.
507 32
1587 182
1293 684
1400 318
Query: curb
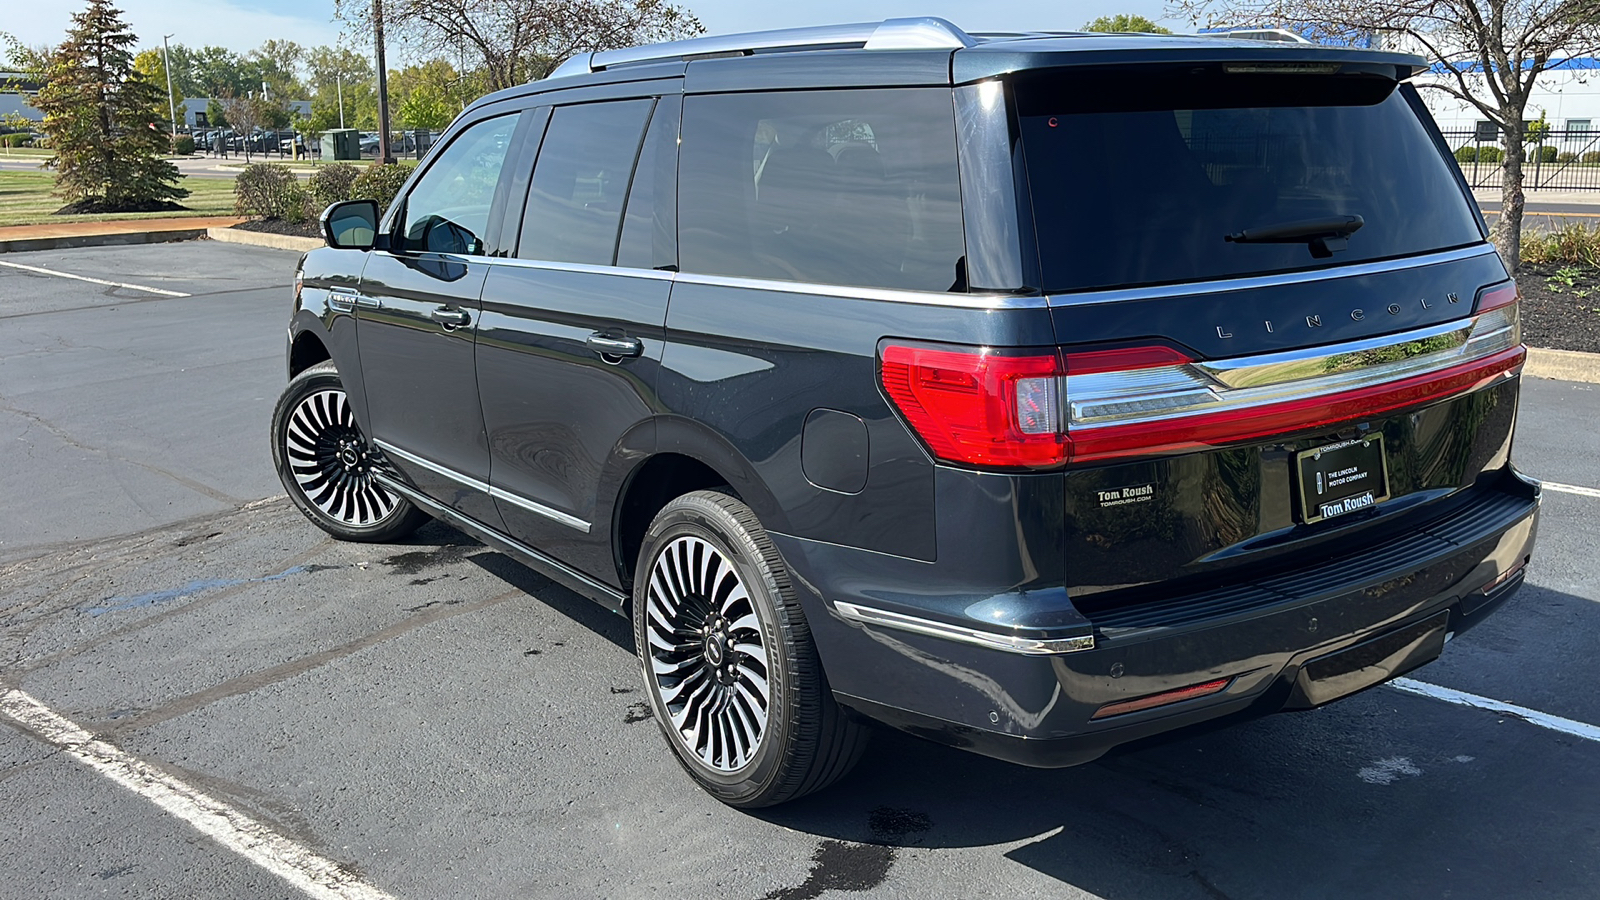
263 239
22 245
1563 365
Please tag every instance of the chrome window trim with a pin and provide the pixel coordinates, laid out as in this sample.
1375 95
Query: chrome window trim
554 515
928 298
989 640
1119 295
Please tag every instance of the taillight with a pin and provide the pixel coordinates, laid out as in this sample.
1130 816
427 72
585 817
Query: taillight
1038 409
978 406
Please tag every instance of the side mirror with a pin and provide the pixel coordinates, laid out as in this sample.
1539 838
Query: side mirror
351 225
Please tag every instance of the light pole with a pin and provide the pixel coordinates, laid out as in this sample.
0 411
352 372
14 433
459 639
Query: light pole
338 80
166 65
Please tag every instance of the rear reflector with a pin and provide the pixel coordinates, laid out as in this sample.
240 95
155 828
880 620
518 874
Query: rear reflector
1162 699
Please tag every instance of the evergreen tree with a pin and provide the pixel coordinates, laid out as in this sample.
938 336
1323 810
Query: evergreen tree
107 124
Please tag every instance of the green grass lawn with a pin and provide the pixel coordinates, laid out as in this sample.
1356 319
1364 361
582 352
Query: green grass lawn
25 200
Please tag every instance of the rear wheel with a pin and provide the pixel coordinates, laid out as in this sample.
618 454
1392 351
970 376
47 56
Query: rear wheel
326 464
733 677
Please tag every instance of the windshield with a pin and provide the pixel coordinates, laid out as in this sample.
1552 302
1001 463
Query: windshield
1139 177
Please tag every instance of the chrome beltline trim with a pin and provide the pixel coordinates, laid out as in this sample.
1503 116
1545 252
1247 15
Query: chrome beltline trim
1169 291
554 515
927 298
989 640
540 509
1256 371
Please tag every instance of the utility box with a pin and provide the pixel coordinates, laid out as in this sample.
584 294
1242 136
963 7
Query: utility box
341 143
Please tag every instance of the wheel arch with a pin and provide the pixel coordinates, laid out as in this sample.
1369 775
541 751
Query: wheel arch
687 457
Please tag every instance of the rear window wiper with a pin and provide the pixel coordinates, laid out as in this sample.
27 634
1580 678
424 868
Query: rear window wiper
1323 236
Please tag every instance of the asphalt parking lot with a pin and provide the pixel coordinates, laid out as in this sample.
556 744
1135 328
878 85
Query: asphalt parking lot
203 696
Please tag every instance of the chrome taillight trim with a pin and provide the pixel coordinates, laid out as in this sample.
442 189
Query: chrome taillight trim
1105 399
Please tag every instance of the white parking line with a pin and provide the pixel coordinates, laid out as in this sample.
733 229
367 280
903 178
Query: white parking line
315 875
1572 489
132 287
1531 716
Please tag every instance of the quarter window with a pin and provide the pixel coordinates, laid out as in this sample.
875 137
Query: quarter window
852 187
448 210
581 181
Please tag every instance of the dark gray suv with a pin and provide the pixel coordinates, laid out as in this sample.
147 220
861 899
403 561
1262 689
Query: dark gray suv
1031 393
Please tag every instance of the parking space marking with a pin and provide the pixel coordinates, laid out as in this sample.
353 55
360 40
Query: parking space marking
314 875
1572 489
132 287
1531 716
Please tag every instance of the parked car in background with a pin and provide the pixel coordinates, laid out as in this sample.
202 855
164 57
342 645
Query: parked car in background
1031 393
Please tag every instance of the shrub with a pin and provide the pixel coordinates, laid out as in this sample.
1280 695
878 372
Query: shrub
183 145
1468 153
17 139
271 192
380 183
332 184
1491 154
1566 156
1590 158
1573 244
1547 154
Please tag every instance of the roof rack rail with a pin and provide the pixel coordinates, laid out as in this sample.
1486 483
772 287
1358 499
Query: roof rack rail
921 33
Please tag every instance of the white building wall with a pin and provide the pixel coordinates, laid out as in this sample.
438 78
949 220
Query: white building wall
1568 98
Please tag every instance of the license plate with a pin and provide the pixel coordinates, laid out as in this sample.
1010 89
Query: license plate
1342 478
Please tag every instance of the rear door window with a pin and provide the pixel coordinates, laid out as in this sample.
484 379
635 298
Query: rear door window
855 187
1137 176
580 182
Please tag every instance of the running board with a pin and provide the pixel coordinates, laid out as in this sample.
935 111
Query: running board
555 570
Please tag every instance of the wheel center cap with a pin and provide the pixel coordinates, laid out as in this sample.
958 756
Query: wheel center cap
716 649
350 456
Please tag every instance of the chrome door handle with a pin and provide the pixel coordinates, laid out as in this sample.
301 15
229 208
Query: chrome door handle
610 346
450 318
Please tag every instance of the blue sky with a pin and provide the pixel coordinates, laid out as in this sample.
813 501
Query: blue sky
244 24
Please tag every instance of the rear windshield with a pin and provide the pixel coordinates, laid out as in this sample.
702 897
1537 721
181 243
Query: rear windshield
1137 176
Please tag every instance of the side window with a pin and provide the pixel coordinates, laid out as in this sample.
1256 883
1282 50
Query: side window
650 227
448 209
580 182
854 187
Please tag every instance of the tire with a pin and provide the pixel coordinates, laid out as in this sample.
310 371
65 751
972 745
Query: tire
732 675
325 463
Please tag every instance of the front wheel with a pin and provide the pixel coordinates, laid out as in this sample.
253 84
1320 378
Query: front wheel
734 680
326 464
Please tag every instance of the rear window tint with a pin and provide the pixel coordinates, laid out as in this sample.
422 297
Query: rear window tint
581 181
854 187
1136 177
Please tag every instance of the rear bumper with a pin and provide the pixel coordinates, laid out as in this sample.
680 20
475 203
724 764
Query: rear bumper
1277 641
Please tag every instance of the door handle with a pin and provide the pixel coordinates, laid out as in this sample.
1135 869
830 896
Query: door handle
610 346
450 318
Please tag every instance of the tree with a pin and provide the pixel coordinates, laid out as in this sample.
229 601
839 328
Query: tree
428 95
328 68
106 123
1125 22
516 41
1490 54
248 113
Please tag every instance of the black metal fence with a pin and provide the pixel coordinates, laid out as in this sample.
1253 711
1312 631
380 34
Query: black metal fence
1557 160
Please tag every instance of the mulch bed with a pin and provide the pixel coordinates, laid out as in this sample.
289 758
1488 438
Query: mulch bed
279 226
1560 307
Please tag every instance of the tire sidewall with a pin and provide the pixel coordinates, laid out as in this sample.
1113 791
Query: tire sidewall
702 518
